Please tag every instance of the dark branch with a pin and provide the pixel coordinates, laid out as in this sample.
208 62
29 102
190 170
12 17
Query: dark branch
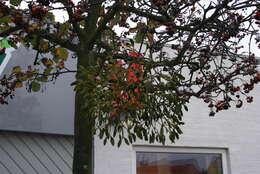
9 31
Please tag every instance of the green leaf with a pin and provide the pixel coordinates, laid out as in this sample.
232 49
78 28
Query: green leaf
4 43
181 77
35 86
42 78
115 20
5 19
63 28
47 71
50 16
132 42
179 131
114 133
126 141
119 142
112 141
172 137
105 141
139 37
186 108
15 2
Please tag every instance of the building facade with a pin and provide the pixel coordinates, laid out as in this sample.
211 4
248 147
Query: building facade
37 137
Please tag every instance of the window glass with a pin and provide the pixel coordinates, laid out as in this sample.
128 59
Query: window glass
2 56
178 163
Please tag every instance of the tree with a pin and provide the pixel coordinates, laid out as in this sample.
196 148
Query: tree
126 85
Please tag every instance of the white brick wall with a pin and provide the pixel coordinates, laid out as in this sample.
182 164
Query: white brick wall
237 130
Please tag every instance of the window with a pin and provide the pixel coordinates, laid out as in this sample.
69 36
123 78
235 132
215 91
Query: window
180 161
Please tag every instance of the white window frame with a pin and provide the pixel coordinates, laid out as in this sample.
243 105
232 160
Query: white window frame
6 59
170 149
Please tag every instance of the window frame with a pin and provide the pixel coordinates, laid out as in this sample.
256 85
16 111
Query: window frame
8 56
173 149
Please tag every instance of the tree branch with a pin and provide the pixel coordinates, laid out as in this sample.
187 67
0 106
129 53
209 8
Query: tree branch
76 27
57 40
104 22
91 21
161 19
9 31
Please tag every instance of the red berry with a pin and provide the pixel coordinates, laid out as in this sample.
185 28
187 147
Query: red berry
249 99
239 104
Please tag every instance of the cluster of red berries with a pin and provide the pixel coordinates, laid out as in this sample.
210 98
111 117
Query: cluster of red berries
125 99
250 86
221 105
256 78
224 104
199 80
235 89
249 99
170 28
38 12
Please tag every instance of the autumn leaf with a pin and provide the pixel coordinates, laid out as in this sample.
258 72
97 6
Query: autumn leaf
61 53
17 84
5 19
133 30
150 37
139 37
22 76
16 69
61 65
47 62
153 23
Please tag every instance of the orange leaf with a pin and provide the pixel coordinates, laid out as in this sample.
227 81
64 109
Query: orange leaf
16 69
47 62
61 65
17 84
150 37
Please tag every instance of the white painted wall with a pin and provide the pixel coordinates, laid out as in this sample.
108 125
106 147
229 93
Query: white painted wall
236 130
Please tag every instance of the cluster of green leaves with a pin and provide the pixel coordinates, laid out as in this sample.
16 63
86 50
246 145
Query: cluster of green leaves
45 70
154 114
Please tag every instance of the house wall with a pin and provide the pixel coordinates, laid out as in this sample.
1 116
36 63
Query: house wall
48 111
30 153
235 131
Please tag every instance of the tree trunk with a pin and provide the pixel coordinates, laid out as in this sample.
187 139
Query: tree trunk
83 160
